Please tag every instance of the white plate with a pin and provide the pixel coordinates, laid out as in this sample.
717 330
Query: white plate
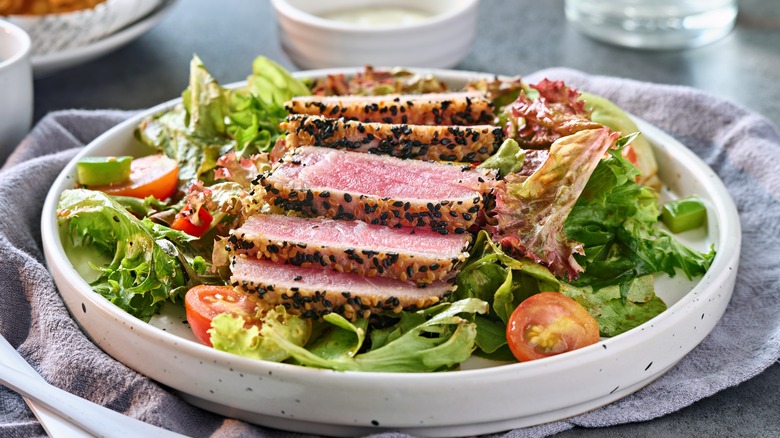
483 398
50 63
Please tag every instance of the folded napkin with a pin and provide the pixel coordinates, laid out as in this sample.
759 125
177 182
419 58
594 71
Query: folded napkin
741 146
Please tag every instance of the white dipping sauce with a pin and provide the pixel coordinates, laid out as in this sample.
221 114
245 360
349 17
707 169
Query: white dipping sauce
378 15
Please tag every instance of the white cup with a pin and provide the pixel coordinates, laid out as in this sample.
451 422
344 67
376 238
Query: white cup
16 87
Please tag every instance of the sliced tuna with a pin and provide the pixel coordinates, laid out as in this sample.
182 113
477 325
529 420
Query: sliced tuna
377 189
313 292
438 142
461 108
420 256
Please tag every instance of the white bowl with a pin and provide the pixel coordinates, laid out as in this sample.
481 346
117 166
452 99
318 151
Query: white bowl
441 40
16 87
484 397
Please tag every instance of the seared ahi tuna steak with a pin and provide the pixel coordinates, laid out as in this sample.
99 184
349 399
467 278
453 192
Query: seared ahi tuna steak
377 189
438 142
461 108
313 292
421 256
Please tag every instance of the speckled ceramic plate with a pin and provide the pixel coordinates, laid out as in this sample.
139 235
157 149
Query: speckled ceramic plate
483 397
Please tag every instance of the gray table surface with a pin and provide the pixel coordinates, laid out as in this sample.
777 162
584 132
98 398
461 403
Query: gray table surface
514 37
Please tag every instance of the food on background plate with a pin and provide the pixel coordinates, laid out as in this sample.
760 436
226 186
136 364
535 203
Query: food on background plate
56 26
40 7
383 222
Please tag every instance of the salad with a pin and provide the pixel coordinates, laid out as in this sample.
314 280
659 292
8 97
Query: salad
538 225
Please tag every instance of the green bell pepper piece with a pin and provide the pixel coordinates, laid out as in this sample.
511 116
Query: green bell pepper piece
684 214
98 171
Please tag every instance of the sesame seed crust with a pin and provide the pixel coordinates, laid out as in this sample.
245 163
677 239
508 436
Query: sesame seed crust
290 193
443 216
460 108
424 142
366 260
311 299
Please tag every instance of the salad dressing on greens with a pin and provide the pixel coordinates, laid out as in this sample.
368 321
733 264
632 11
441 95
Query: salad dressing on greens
568 215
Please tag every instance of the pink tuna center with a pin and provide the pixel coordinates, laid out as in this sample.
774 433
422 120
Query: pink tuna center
384 177
357 234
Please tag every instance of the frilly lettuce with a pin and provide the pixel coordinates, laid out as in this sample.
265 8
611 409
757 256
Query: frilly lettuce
547 112
616 220
146 264
531 211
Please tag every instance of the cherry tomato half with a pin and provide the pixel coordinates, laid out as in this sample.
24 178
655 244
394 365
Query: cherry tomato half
205 302
547 324
184 221
153 175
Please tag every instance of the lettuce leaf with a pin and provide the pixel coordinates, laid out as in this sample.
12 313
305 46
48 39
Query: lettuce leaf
212 120
169 133
548 112
531 211
504 282
229 334
616 220
433 339
146 264
619 308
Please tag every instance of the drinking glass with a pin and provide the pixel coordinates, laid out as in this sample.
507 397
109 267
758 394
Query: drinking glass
653 24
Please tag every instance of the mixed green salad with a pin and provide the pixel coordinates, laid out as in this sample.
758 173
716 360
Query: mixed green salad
566 219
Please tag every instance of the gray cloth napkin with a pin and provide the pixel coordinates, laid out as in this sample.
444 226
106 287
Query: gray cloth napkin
741 146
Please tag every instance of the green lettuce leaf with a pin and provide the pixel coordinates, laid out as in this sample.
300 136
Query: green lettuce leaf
171 134
616 220
433 339
227 333
504 282
212 120
145 263
205 102
619 308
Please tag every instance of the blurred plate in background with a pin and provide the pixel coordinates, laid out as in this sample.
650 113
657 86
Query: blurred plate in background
46 64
